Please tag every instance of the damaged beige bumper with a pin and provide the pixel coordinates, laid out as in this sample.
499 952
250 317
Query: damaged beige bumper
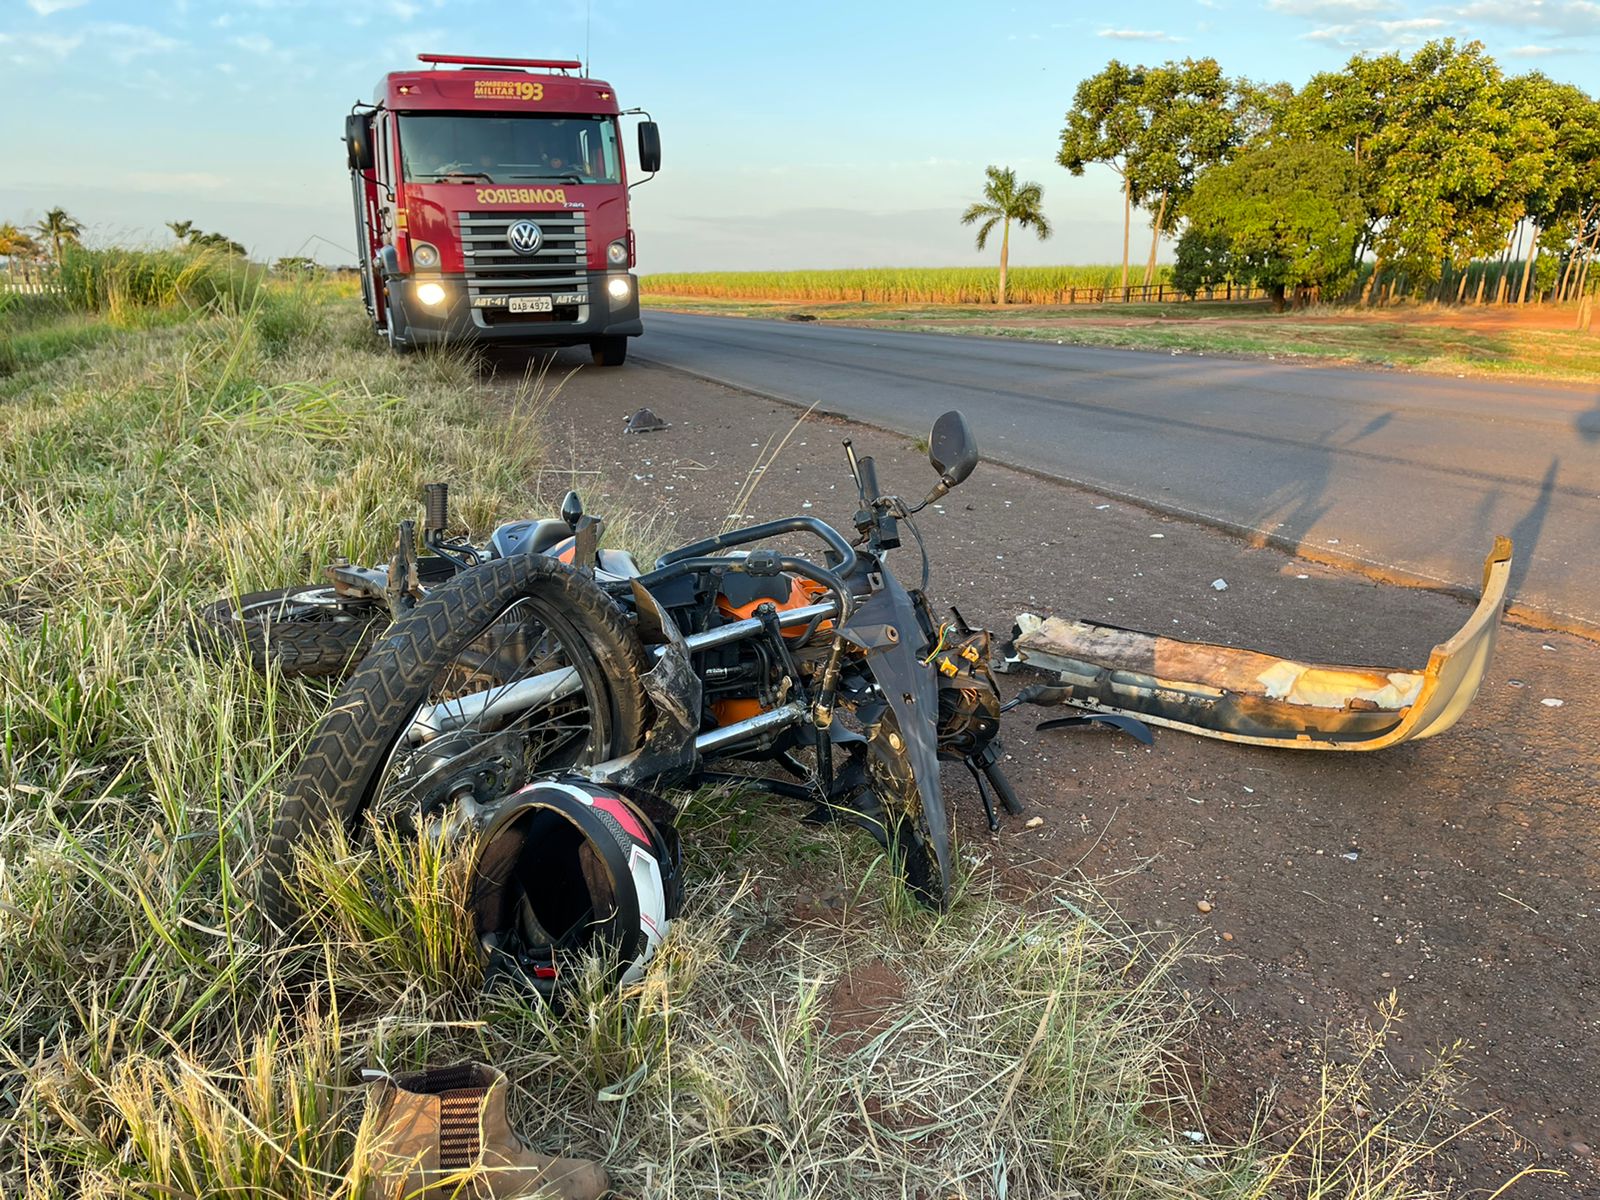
1261 700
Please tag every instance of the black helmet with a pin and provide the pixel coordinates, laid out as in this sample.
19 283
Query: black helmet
566 866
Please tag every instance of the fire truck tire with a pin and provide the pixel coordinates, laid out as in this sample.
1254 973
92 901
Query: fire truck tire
395 326
609 351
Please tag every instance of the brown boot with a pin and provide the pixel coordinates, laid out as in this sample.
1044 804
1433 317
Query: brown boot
444 1133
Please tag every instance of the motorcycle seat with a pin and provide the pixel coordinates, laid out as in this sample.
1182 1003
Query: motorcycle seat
529 537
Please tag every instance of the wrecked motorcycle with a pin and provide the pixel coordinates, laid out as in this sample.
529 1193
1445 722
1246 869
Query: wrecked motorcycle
827 678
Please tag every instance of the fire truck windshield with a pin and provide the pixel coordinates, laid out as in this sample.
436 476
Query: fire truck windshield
444 147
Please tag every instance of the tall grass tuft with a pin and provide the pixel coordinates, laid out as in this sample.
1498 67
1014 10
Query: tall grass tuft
121 283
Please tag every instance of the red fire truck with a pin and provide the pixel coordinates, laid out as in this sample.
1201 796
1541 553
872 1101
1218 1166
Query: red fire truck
491 204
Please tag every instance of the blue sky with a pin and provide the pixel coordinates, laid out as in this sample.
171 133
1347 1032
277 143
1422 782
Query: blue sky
823 134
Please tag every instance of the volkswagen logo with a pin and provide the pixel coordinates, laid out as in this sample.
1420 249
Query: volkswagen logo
524 237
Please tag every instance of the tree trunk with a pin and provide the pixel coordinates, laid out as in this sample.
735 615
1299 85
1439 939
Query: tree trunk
1005 256
1527 268
1278 301
1127 219
1461 286
1513 239
1372 281
1155 240
1483 277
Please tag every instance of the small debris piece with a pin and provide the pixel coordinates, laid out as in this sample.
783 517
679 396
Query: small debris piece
1033 822
1195 1136
1098 507
1227 937
1350 855
1158 535
1552 702
1516 683
1219 585
1204 906
644 421
799 316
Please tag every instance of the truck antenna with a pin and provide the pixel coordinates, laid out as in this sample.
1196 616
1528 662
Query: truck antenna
588 19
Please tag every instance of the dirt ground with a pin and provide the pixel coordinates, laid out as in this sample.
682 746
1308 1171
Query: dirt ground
1460 872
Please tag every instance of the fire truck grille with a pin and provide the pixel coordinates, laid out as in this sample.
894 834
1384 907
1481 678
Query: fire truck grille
558 267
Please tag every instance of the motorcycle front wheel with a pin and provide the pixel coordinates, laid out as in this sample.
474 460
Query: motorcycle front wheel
514 669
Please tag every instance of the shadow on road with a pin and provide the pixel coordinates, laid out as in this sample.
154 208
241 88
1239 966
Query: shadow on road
1588 423
1525 533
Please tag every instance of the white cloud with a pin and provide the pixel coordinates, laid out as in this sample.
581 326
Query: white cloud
25 48
1138 35
1411 25
1577 17
1331 8
127 42
1539 51
45 7
255 43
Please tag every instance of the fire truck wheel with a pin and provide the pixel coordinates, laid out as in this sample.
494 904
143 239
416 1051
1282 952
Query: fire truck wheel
609 351
395 326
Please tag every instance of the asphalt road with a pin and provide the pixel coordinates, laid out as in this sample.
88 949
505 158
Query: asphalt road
1403 474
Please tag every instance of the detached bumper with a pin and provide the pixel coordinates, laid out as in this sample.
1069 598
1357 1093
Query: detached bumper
458 319
1261 700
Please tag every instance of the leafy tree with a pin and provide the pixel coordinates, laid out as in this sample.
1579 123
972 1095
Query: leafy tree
1556 128
17 246
1287 213
1004 201
1206 258
217 241
1190 122
294 264
184 231
1105 126
61 229
1441 170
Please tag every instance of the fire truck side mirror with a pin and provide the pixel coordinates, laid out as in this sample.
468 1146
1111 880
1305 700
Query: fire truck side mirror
649 147
358 141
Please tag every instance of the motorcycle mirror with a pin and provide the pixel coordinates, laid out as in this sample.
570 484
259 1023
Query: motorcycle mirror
572 509
952 449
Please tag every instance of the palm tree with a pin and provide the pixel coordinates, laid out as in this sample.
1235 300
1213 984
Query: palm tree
61 229
184 231
1005 201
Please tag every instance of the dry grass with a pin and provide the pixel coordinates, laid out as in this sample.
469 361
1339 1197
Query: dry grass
803 1032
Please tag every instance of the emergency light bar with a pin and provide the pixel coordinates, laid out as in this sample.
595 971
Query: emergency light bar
467 60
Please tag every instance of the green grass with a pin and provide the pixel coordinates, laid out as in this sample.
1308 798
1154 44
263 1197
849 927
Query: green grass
895 285
147 1048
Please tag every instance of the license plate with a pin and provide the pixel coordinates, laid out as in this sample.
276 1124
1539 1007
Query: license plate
521 304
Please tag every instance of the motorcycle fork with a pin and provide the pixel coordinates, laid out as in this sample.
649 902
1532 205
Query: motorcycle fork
767 614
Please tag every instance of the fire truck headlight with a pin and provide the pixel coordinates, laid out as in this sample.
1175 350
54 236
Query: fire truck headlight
619 287
617 252
425 254
431 294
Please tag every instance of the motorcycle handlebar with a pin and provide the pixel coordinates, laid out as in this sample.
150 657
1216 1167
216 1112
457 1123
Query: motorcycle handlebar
757 533
869 478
